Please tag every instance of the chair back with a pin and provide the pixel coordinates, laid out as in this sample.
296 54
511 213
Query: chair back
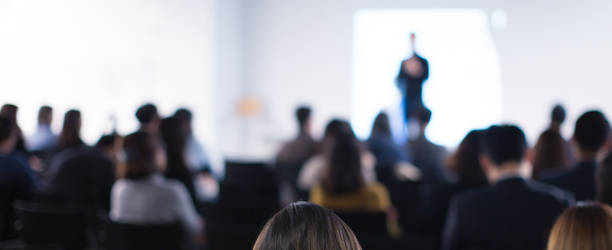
151 237
371 223
52 225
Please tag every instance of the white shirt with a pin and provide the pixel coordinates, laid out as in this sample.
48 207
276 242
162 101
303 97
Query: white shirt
153 200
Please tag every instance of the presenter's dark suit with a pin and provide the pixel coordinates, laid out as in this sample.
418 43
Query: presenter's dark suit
512 214
580 180
412 86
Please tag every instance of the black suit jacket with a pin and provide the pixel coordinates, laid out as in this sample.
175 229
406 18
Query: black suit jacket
580 180
512 214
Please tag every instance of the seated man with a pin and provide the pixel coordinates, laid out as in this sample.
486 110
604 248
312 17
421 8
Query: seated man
590 135
17 181
514 212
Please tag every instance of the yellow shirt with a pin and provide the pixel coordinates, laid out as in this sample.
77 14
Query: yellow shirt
373 197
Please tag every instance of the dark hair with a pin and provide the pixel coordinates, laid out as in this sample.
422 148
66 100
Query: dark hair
381 126
140 149
6 128
175 138
604 180
550 153
71 130
504 143
343 173
465 161
591 131
146 113
10 111
424 115
306 226
302 114
586 226
45 114
107 141
183 114
558 114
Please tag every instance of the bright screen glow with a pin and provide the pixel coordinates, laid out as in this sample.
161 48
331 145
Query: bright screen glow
464 87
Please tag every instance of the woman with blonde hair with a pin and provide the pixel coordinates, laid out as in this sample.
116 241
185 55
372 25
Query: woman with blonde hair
585 226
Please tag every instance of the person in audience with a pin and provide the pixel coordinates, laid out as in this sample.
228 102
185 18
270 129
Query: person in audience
514 212
381 143
550 155
292 156
175 139
306 226
196 157
557 117
70 137
10 111
586 226
144 196
313 169
467 173
604 180
149 118
428 157
43 140
590 135
343 186
17 180
86 177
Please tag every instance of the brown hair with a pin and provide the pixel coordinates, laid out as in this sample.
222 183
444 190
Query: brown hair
586 226
550 153
71 131
140 149
306 226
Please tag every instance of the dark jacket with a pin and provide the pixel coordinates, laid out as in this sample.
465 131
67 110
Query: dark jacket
580 180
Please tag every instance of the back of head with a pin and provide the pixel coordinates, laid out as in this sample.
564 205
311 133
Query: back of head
381 125
6 129
343 156
591 131
71 130
604 180
9 111
146 113
550 152
174 137
305 226
335 127
140 151
504 143
465 161
45 115
558 114
586 226
302 115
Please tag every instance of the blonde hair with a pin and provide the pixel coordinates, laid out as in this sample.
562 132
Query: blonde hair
586 226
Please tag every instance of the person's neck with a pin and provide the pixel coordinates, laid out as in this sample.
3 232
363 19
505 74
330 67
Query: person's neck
507 170
587 156
555 126
5 148
147 128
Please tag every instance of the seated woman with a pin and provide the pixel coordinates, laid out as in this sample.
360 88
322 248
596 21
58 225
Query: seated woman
306 226
313 170
343 185
586 226
144 196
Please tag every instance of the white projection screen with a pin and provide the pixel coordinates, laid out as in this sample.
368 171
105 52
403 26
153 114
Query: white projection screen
464 87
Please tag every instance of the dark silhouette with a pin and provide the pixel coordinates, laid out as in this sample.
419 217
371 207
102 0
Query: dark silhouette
550 155
557 117
306 226
514 212
148 118
604 180
428 157
10 111
70 136
196 157
381 143
413 72
590 135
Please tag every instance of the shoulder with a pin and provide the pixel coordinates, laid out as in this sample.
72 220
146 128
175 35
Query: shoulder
553 192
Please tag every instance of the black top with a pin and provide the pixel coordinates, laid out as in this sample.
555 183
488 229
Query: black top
84 178
413 85
513 214
429 158
580 180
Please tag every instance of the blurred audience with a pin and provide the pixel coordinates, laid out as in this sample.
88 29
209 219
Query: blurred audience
293 154
586 226
381 143
43 140
148 118
305 226
604 180
70 137
551 156
557 117
590 135
195 155
144 196
10 111
520 209
428 157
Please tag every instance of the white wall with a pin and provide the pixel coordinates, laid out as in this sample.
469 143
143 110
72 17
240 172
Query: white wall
106 58
301 51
